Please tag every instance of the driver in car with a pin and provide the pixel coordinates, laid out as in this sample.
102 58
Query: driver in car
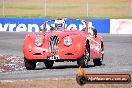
59 24
92 30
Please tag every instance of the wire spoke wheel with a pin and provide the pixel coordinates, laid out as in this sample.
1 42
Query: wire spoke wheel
86 56
102 52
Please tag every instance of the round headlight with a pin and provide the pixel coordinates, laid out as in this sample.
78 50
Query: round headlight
38 41
67 41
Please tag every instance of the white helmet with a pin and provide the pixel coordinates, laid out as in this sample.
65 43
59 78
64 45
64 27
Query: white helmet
59 23
90 28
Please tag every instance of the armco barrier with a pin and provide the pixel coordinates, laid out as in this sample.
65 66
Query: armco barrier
120 26
33 24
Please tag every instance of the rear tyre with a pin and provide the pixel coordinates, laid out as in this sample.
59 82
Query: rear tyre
97 62
84 60
30 65
49 64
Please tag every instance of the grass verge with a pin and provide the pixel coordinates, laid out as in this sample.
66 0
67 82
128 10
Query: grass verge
42 16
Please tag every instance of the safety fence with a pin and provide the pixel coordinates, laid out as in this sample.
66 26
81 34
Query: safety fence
66 8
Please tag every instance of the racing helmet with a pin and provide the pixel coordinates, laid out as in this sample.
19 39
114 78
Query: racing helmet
59 24
90 25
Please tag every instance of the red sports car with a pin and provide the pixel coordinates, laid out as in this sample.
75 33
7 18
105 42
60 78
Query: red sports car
63 40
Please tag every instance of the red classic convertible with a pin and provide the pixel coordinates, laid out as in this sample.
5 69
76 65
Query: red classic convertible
63 40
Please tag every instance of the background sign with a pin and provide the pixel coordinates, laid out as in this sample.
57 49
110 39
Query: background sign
33 24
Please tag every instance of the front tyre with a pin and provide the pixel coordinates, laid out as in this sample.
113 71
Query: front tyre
49 64
30 65
84 60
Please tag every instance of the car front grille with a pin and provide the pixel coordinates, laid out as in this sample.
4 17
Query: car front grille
53 44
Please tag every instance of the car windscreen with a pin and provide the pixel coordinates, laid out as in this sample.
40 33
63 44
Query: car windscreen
65 24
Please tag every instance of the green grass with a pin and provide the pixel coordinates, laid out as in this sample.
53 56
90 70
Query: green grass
32 7
62 7
38 16
23 7
112 7
81 17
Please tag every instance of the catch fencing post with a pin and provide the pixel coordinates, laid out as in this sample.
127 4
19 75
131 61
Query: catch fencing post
87 7
45 7
130 8
3 11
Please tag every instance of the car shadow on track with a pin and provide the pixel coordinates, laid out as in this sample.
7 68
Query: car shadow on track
64 67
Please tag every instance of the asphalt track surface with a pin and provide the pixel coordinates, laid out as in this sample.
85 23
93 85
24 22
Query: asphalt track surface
117 59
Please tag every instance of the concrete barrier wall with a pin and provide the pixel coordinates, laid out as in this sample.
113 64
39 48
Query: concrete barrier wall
33 24
120 26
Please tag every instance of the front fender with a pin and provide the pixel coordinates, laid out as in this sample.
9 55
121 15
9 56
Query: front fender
77 47
29 43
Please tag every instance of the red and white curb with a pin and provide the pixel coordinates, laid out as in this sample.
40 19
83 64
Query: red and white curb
13 63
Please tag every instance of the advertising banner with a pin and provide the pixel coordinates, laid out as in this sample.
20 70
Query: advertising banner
21 24
102 25
33 24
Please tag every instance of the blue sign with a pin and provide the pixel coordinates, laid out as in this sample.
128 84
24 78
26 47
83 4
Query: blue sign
102 25
33 24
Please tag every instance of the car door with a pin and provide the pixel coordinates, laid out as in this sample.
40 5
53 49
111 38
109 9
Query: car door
98 47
